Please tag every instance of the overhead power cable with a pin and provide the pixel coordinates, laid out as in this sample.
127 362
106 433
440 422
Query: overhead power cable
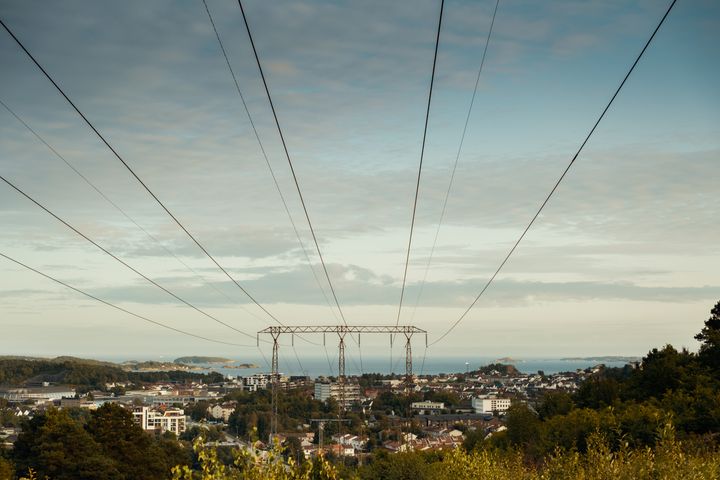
422 155
457 158
265 156
141 317
119 260
125 164
557 183
120 209
292 168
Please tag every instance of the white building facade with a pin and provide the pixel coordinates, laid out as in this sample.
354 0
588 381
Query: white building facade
171 420
490 404
325 390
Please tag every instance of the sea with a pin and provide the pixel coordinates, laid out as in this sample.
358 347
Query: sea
328 366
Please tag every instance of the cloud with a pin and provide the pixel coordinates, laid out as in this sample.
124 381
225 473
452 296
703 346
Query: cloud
356 286
636 214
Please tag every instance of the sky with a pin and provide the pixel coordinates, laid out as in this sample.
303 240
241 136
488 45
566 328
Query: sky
624 257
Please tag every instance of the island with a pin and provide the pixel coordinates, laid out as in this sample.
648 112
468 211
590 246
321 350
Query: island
607 358
242 366
507 360
153 366
196 360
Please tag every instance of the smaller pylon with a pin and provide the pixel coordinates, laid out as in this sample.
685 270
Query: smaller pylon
275 379
408 362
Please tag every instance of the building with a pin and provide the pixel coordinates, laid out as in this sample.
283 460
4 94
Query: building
42 394
427 408
170 420
222 411
325 390
78 403
258 381
490 404
359 444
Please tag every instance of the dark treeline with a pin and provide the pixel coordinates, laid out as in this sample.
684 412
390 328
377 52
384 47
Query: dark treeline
103 445
627 405
87 375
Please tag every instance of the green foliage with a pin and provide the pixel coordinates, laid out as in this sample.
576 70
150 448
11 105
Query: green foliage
108 446
399 466
709 337
555 403
523 425
448 398
57 446
251 465
502 368
295 407
669 460
598 392
7 471
210 433
199 410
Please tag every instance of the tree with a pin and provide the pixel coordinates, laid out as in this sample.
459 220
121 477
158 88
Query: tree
709 337
523 425
199 410
555 403
6 469
135 452
598 392
56 446
662 370
399 466
293 449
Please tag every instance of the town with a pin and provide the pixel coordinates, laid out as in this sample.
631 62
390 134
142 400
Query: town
351 419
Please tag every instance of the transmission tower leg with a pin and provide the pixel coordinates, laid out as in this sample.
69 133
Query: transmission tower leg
275 378
408 362
341 369
321 436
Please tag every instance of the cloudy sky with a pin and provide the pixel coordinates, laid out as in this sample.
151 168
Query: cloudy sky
625 256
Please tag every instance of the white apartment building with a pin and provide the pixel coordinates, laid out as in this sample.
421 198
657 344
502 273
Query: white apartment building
325 390
490 404
171 420
258 381
427 407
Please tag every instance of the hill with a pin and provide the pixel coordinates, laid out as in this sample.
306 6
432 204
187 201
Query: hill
87 375
497 369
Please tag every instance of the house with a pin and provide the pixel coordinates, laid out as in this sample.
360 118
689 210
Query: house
340 450
222 411
355 442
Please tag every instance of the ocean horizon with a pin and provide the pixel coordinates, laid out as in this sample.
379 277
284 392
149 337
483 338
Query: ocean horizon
324 366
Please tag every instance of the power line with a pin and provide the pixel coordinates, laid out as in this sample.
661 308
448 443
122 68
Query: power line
118 208
264 357
422 364
297 357
457 158
265 156
117 155
292 169
422 154
557 183
141 317
118 259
